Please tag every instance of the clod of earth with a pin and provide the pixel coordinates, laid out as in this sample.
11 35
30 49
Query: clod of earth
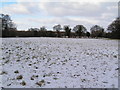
55 78
23 83
16 71
3 72
41 83
19 77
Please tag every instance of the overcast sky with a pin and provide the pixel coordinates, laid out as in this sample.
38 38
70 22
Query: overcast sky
39 13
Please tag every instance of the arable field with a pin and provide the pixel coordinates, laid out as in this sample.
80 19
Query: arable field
59 63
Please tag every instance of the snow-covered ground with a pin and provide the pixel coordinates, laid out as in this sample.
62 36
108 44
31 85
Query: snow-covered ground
59 63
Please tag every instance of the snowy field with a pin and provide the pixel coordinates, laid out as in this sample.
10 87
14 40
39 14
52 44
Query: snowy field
59 63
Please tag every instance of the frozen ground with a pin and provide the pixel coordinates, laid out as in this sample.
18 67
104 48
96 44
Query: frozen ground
59 63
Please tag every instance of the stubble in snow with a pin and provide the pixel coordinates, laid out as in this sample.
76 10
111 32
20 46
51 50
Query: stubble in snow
59 63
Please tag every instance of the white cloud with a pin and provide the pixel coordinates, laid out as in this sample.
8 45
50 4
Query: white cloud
21 8
16 8
50 22
58 9
107 16
86 9
70 8
96 1
83 19
51 13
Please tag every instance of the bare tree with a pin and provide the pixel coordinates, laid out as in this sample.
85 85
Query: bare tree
79 30
67 30
97 31
114 28
7 23
8 26
57 28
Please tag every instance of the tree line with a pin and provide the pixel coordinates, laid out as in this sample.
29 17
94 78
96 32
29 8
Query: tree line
9 29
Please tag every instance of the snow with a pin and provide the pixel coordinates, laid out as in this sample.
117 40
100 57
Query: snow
59 63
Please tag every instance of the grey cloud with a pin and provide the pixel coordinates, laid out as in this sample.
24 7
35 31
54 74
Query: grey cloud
63 13
78 9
